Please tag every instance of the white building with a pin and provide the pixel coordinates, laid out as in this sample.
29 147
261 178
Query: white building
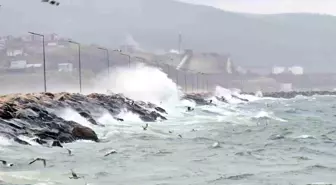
286 87
18 64
278 70
65 67
13 53
296 70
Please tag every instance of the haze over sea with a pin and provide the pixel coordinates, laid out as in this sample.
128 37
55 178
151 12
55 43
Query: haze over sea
263 141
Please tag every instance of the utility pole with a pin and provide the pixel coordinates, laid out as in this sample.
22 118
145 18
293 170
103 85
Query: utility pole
44 60
108 60
177 78
179 42
79 64
185 82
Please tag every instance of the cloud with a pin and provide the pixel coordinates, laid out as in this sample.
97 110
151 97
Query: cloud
272 6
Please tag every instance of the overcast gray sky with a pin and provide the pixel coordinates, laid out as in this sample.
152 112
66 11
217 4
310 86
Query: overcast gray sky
272 6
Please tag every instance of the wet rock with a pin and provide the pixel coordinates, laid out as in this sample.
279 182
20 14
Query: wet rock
85 133
293 94
88 117
119 119
23 113
199 99
20 141
6 115
32 115
40 141
56 144
159 109
242 99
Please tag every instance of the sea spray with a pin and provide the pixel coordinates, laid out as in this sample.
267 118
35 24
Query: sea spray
140 82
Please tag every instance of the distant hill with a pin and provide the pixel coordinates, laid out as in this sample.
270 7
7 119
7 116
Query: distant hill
252 40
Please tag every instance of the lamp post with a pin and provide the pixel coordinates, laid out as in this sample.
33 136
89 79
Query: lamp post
185 82
129 58
207 83
203 81
79 64
192 82
108 59
140 58
168 67
197 82
44 60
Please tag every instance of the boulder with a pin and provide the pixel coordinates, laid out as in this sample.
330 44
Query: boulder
56 144
159 109
85 133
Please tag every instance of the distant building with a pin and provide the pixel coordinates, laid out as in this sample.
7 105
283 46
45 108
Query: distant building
18 64
278 70
286 87
13 53
241 70
65 67
296 70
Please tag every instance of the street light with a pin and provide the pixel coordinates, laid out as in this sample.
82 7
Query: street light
129 58
197 81
44 61
207 82
177 78
108 59
168 71
140 58
185 82
79 64
203 81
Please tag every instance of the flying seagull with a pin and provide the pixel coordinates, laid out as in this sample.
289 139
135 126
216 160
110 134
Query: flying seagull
39 159
6 164
145 127
111 152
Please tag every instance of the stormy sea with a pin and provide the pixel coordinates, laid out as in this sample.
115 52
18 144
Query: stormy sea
143 129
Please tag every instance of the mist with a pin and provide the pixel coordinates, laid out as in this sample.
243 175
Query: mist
284 39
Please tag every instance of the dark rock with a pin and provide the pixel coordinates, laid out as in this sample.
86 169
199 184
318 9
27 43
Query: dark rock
32 115
16 139
85 133
293 94
40 141
88 117
199 99
242 99
159 109
119 119
56 144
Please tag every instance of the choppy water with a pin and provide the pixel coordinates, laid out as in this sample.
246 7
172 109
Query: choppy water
267 141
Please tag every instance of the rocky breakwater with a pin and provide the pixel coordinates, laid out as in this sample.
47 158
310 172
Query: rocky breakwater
293 94
34 115
199 99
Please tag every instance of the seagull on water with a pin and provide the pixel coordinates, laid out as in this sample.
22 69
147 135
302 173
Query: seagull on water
69 152
216 145
74 175
111 152
39 159
6 164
